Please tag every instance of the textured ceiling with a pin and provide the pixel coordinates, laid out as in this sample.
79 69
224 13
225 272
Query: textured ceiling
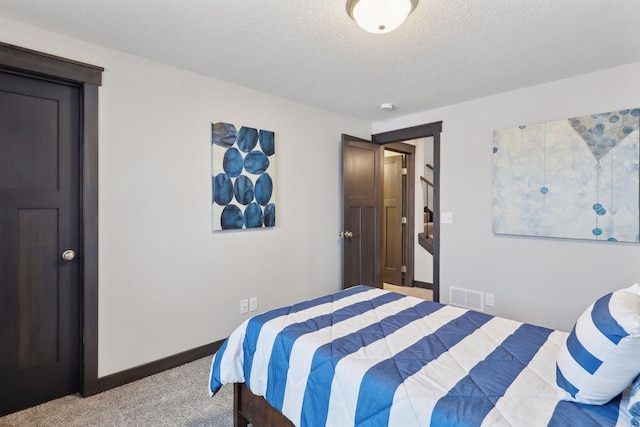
310 51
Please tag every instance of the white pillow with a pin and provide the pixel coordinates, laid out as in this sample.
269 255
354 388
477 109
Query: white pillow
601 355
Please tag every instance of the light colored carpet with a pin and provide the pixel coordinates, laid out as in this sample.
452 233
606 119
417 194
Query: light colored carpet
412 291
177 397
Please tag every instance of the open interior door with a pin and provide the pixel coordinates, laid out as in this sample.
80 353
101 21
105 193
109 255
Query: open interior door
362 189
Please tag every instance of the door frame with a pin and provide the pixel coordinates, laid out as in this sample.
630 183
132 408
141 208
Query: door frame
415 132
88 78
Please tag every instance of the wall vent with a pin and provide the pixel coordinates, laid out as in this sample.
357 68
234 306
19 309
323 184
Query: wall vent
466 298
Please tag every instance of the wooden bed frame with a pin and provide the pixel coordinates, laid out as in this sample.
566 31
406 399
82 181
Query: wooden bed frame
249 408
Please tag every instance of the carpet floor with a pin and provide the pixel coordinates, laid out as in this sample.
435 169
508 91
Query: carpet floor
412 291
177 397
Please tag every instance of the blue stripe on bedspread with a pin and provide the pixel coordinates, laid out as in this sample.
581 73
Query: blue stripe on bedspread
255 324
279 362
251 337
579 414
374 401
469 402
317 394
214 383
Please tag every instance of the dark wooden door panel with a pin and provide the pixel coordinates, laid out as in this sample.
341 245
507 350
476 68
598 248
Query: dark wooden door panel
361 249
362 167
39 218
33 146
8 294
370 237
352 256
362 216
37 287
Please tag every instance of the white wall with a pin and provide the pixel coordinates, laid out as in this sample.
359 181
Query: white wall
166 282
543 281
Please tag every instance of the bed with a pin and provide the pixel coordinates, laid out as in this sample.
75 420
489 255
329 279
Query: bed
368 357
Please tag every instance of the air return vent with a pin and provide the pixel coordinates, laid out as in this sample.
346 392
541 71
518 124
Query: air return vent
466 298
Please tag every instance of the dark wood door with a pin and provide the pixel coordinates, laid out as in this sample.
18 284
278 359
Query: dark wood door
40 346
392 235
362 212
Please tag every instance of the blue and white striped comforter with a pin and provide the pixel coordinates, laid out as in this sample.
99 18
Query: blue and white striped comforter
368 357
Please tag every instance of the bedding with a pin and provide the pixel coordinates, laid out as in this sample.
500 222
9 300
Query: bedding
368 357
634 402
601 356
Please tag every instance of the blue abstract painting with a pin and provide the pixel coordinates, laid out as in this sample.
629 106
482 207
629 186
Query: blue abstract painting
576 178
243 162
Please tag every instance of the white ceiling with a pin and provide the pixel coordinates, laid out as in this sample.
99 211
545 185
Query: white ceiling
310 51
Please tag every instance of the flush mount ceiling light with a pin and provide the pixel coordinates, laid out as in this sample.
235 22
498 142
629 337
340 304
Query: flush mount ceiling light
380 16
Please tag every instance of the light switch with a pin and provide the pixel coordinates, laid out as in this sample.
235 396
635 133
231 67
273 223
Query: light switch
446 217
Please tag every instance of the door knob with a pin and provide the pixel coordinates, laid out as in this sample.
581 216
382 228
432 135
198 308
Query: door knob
346 234
68 255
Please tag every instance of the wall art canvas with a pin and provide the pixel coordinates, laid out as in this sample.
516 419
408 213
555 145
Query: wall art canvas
243 162
576 178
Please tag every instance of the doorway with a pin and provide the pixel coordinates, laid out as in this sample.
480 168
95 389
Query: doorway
48 216
406 260
430 133
398 214
362 185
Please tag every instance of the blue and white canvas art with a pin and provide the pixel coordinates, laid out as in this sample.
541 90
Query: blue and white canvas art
576 178
243 162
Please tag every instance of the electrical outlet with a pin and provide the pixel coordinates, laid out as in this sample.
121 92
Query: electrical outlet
253 304
488 299
244 306
446 217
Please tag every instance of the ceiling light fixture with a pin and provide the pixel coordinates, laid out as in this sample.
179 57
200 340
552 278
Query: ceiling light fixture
380 16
